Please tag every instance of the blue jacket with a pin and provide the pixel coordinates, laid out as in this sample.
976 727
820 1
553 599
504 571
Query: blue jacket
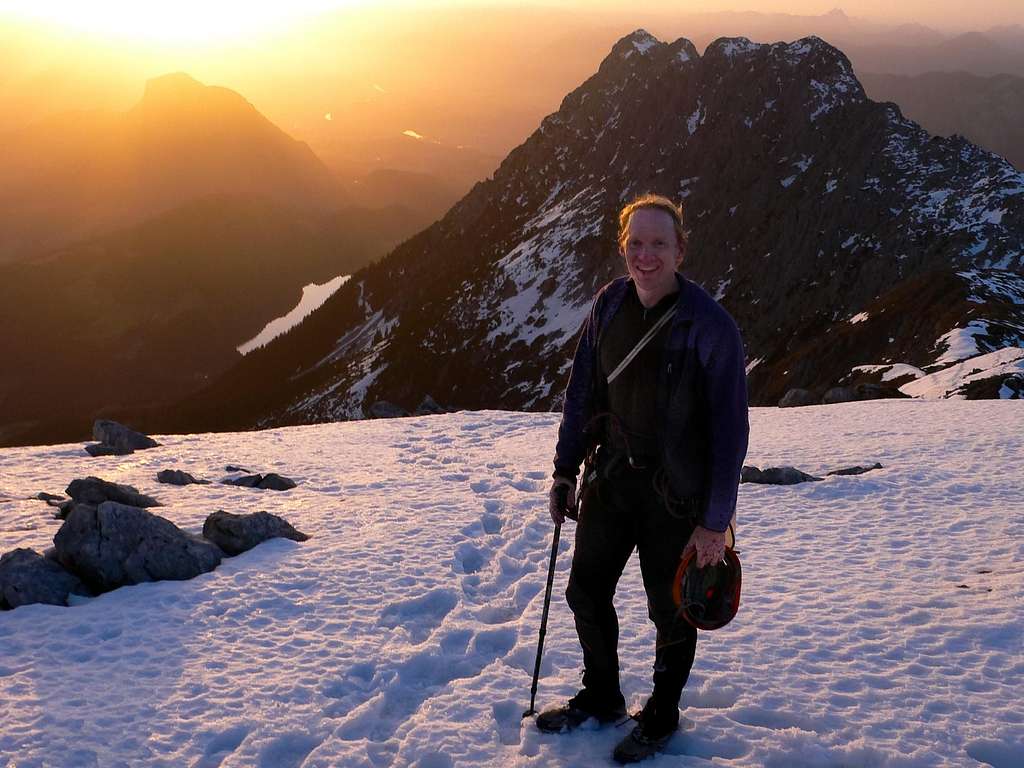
702 393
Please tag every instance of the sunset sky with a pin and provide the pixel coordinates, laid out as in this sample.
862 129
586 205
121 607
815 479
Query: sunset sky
192 22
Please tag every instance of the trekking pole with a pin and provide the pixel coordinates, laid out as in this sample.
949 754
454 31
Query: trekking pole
544 620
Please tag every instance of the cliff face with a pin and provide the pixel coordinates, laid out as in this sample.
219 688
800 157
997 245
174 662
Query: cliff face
810 209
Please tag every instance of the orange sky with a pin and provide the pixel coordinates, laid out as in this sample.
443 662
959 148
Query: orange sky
197 22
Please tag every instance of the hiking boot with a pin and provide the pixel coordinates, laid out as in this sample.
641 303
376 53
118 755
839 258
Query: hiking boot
653 730
580 708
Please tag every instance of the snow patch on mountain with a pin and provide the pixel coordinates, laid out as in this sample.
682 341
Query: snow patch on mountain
950 382
313 297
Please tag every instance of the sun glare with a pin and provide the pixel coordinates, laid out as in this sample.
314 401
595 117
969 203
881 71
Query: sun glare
186 22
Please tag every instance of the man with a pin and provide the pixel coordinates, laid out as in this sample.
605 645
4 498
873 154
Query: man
666 434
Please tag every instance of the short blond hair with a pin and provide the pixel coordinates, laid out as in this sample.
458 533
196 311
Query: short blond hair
658 202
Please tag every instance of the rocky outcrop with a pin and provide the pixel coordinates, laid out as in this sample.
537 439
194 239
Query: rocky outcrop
117 439
239 533
27 577
115 545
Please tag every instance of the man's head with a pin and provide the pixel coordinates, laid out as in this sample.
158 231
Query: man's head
652 242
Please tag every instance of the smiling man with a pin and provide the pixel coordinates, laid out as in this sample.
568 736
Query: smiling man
657 405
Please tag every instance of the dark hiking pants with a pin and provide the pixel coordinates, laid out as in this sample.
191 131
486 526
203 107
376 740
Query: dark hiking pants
621 510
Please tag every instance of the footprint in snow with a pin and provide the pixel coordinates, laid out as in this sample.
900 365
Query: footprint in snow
419 615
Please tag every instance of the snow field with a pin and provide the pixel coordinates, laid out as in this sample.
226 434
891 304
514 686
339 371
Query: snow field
404 632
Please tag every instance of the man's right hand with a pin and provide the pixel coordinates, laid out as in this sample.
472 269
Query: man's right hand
562 500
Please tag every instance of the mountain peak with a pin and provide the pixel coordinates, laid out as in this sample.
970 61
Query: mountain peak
638 42
179 91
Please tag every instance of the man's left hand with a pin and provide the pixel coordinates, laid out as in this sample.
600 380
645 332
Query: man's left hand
710 545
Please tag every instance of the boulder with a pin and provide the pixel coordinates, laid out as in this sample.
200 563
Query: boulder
275 482
64 508
178 477
246 481
775 476
27 577
233 468
102 449
428 407
855 470
116 545
48 497
840 395
270 481
239 533
94 490
796 398
385 410
120 437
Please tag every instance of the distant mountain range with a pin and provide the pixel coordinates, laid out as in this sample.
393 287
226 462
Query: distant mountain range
988 111
76 175
142 248
847 242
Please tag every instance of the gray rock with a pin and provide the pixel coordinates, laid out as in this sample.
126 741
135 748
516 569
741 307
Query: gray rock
275 482
270 481
246 481
775 476
840 395
27 577
102 449
428 407
121 437
115 545
796 398
178 477
48 497
385 410
239 533
233 468
64 508
94 490
855 470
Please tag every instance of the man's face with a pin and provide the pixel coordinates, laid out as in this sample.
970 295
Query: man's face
652 252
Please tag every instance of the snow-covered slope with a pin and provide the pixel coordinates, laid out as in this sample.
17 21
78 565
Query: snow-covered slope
880 621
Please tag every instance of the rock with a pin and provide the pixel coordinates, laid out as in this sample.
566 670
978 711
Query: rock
102 449
27 577
839 395
116 545
428 407
275 482
385 410
246 481
178 477
94 490
239 533
64 508
855 470
869 391
864 391
797 398
48 497
233 468
119 436
775 476
270 481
